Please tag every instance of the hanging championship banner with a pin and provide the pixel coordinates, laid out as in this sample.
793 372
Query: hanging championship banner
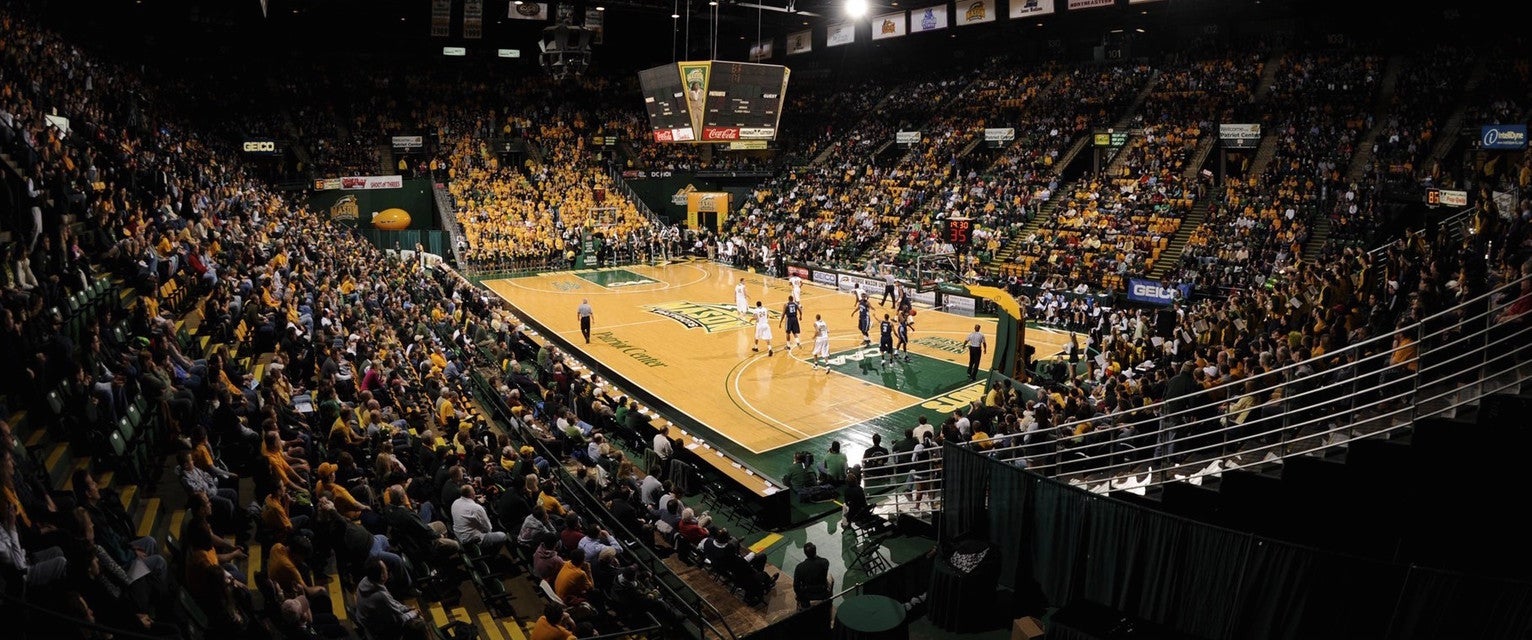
928 19
975 12
595 22
840 33
694 78
1029 8
441 18
473 19
761 51
888 25
800 42
529 11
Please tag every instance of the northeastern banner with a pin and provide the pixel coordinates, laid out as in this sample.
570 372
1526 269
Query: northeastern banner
473 19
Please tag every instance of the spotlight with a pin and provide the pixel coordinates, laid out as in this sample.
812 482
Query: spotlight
856 8
675 16
601 8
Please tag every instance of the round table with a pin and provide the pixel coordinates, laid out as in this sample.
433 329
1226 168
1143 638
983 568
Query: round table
870 618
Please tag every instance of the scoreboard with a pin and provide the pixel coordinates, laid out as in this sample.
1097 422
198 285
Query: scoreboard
665 100
714 101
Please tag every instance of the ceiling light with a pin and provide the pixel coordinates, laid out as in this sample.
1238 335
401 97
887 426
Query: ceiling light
601 8
1140 29
517 3
713 3
856 8
675 16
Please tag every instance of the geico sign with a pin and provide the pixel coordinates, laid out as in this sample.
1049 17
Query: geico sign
1152 291
264 145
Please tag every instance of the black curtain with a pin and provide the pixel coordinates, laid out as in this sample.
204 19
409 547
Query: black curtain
1056 543
1008 503
1438 604
965 490
1290 591
1150 565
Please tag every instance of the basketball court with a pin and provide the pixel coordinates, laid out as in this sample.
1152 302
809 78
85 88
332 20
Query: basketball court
675 332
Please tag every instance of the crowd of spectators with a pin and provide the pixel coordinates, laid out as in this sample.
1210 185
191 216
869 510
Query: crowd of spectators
368 462
536 214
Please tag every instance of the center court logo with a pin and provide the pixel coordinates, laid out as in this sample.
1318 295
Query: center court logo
707 316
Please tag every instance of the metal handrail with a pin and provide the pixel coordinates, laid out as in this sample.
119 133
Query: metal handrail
1465 350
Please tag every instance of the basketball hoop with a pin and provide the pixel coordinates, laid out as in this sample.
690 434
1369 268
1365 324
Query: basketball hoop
933 269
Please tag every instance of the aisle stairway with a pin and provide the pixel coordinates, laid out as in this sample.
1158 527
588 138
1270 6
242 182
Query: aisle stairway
1171 256
1320 225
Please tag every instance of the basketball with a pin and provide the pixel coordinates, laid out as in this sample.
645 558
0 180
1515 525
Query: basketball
913 312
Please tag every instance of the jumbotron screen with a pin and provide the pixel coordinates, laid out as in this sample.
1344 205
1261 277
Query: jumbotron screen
714 101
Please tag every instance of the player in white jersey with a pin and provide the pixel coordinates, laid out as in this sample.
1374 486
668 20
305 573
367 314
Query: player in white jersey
762 328
740 301
821 342
797 285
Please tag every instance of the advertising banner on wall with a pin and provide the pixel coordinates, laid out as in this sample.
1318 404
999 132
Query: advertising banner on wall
760 51
960 305
1089 4
888 25
1152 292
1503 136
529 11
1240 136
1030 8
840 33
800 42
928 19
975 12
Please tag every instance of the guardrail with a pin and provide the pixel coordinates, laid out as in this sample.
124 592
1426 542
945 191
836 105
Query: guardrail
449 220
1444 362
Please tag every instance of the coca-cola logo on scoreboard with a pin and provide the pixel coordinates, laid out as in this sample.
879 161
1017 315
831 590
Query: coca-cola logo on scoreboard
720 133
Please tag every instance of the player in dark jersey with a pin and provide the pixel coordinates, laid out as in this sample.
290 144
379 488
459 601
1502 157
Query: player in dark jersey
863 315
886 340
791 312
902 334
